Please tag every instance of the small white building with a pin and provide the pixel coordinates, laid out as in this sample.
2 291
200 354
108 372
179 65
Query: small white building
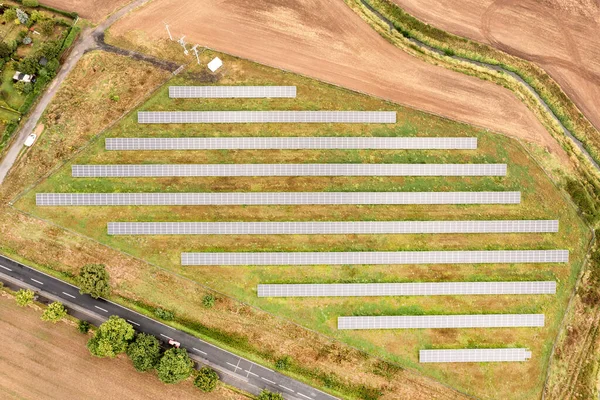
19 76
215 64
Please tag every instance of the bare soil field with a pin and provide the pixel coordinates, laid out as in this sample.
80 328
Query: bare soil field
558 35
50 361
328 41
95 11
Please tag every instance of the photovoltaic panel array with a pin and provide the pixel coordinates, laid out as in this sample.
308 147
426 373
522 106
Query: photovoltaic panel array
274 198
442 321
378 257
234 117
221 92
406 289
474 355
330 227
179 170
293 143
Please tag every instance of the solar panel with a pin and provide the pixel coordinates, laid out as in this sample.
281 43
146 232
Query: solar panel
169 170
442 321
219 92
330 227
378 257
406 289
474 355
275 198
229 117
269 143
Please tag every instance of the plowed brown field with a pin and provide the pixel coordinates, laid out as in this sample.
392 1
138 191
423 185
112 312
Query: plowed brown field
325 39
45 361
95 11
561 36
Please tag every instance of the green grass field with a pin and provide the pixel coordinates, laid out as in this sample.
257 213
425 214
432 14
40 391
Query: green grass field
540 200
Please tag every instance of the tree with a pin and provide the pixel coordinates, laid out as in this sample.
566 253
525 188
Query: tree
208 301
5 50
266 395
54 312
94 280
9 15
47 26
111 338
24 297
174 366
144 352
83 326
206 380
29 65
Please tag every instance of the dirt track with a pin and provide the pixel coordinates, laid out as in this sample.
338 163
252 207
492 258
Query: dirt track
95 11
327 40
559 35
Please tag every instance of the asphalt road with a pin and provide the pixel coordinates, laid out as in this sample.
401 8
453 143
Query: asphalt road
234 370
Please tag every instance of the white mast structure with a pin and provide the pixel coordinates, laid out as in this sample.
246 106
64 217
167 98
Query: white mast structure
168 31
195 50
182 43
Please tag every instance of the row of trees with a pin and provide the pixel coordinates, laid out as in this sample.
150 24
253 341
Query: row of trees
117 336
53 313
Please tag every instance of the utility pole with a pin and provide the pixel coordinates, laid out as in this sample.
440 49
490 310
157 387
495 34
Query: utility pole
182 43
195 50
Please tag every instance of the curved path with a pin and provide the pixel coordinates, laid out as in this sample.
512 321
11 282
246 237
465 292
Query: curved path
86 43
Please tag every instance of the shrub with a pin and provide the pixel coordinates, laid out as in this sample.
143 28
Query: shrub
174 366
283 363
208 301
83 326
9 15
144 352
31 3
164 314
93 279
54 312
206 379
266 395
111 338
5 50
24 297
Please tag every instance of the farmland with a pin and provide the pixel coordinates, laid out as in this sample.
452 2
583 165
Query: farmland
541 200
52 361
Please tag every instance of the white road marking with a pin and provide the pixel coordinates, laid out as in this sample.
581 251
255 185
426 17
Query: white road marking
303 395
251 373
234 366
265 379
286 388
100 308
170 327
131 322
6 268
36 281
166 336
67 294
199 351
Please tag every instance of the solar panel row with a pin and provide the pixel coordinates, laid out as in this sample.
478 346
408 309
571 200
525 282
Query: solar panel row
264 143
217 92
442 321
474 355
275 198
229 117
169 170
378 257
405 289
330 227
